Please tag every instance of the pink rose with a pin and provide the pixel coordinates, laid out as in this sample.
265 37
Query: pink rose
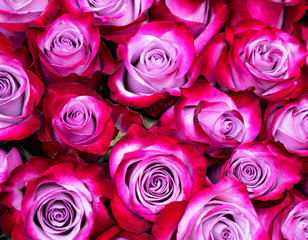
211 120
252 56
157 61
70 50
266 169
150 171
222 211
58 199
20 92
119 20
286 122
204 18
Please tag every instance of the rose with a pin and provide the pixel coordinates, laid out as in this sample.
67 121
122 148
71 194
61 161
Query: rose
275 13
204 18
258 58
286 122
119 19
211 120
265 168
18 16
20 92
150 171
62 198
70 50
286 220
75 116
222 211
155 64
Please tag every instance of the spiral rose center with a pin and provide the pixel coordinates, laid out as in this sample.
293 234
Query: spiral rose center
231 126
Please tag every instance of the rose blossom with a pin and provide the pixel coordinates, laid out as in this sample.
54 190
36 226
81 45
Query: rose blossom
204 18
286 122
222 211
157 61
211 120
150 171
58 199
75 116
70 50
20 92
265 168
252 56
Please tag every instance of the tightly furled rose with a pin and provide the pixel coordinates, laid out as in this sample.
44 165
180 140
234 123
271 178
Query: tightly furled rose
203 18
211 120
58 199
150 171
20 92
157 61
265 168
222 211
286 122
70 50
258 58
75 116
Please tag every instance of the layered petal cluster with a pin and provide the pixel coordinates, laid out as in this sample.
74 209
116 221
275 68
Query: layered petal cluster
211 120
69 50
156 63
58 199
204 18
20 93
75 116
286 122
151 171
222 211
265 168
253 56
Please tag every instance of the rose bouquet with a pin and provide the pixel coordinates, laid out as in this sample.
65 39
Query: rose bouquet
153 120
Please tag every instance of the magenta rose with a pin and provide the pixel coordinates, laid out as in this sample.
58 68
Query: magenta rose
157 61
20 92
58 199
75 116
252 56
119 20
222 211
286 122
211 120
151 171
204 18
70 50
265 168
19 15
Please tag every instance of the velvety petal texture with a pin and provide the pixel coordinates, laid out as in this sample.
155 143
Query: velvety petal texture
150 171
222 211
211 120
8 162
265 168
20 92
76 116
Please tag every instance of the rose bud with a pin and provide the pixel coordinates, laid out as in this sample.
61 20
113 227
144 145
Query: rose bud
58 199
70 50
222 211
151 171
20 93
286 122
204 18
212 121
265 168
255 57
118 20
157 61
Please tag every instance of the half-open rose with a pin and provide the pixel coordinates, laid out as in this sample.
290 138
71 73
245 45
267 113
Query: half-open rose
265 168
150 171
70 50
